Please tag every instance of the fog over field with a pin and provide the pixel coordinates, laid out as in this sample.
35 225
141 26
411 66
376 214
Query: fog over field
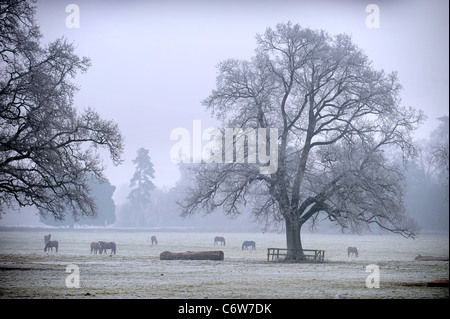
152 64
135 271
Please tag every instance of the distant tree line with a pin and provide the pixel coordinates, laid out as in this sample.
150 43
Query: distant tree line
102 192
427 180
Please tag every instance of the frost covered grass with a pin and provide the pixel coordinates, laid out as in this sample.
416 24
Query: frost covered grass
26 271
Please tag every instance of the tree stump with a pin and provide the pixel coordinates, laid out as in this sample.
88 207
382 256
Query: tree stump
192 255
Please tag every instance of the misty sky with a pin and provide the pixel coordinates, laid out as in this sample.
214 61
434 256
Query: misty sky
153 62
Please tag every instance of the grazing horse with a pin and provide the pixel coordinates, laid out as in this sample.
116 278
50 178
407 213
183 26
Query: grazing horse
251 243
219 239
154 240
352 251
104 246
50 244
95 247
47 238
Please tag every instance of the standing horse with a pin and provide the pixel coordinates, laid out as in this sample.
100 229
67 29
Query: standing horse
219 239
352 251
95 247
250 243
104 246
50 244
154 240
47 238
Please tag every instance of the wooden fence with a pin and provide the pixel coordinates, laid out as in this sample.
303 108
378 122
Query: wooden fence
315 255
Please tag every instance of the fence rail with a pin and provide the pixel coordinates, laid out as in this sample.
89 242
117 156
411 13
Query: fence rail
315 255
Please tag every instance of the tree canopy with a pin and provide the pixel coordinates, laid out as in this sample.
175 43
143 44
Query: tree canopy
47 147
338 121
101 192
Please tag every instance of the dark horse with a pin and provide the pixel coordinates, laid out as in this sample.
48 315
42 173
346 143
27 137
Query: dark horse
352 251
104 246
47 238
50 244
95 247
248 243
154 240
219 239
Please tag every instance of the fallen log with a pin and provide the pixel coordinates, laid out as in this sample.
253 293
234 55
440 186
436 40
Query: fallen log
438 283
192 255
430 258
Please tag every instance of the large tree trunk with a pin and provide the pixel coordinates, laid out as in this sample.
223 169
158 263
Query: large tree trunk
294 243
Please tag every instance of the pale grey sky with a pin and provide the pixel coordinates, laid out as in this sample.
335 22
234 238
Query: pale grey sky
154 61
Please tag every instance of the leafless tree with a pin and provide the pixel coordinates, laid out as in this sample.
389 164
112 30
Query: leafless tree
439 150
46 147
337 119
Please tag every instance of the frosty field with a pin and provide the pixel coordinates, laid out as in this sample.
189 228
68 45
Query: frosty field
136 271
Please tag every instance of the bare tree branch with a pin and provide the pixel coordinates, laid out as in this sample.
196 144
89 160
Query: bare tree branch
336 116
47 148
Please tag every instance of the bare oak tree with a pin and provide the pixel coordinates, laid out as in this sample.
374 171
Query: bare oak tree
47 148
338 119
